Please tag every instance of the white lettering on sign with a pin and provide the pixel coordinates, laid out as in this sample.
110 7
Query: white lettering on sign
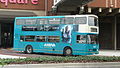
49 45
56 1
18 2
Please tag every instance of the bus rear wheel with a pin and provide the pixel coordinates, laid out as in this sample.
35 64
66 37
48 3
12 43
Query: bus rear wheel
67 51
29 49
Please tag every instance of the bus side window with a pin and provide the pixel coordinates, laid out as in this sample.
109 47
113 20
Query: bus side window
69 20
20 21
30 38
54 20
40 39
21 38
80 20
42 21
81 39
30 21
53 39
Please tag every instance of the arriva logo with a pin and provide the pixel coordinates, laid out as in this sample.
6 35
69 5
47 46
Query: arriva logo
49 45
18 2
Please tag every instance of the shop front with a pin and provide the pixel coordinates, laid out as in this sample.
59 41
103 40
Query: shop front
9 9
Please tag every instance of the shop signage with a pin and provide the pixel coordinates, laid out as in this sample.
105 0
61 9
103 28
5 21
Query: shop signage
18 2
56 1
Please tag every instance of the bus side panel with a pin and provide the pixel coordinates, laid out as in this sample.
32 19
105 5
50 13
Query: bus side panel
78 49
60 47
18 45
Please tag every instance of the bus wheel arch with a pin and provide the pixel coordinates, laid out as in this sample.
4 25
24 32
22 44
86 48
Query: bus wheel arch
28 49
67 51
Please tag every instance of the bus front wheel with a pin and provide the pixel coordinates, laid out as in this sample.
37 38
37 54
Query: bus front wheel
67 51
29 49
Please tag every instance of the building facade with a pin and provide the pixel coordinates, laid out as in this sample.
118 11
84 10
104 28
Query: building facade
9 9
108 12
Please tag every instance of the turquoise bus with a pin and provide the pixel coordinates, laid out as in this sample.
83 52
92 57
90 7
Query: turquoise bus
67 35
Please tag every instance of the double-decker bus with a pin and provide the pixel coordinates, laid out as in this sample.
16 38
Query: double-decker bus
67 35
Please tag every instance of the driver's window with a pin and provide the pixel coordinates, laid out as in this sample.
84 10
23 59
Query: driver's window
81 39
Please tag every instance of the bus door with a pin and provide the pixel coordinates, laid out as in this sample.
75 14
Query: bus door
80 43
92 42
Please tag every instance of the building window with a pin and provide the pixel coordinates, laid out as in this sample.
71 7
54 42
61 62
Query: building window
40 39
53 39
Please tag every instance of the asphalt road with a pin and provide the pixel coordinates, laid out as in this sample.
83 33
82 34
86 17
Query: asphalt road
21 54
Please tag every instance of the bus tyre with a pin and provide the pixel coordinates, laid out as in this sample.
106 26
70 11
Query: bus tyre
67 51
29 49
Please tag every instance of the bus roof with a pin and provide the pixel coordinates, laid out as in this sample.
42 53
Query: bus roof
40 17
55 16
86 15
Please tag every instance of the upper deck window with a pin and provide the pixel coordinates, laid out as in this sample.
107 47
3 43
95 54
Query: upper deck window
54 21
20 21
80 20
92 21
30 21
69 20
42 21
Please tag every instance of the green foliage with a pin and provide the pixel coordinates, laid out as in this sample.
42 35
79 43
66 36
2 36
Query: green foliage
60 59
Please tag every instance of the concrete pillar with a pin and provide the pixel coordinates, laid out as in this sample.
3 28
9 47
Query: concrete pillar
115 34
89 10
0 34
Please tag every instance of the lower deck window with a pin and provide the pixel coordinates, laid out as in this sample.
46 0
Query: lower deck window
40 38
81 39
30 38
53 38
21 38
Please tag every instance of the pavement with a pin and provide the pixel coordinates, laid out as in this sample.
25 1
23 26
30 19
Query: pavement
10 57
7 54
67 65
109 53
